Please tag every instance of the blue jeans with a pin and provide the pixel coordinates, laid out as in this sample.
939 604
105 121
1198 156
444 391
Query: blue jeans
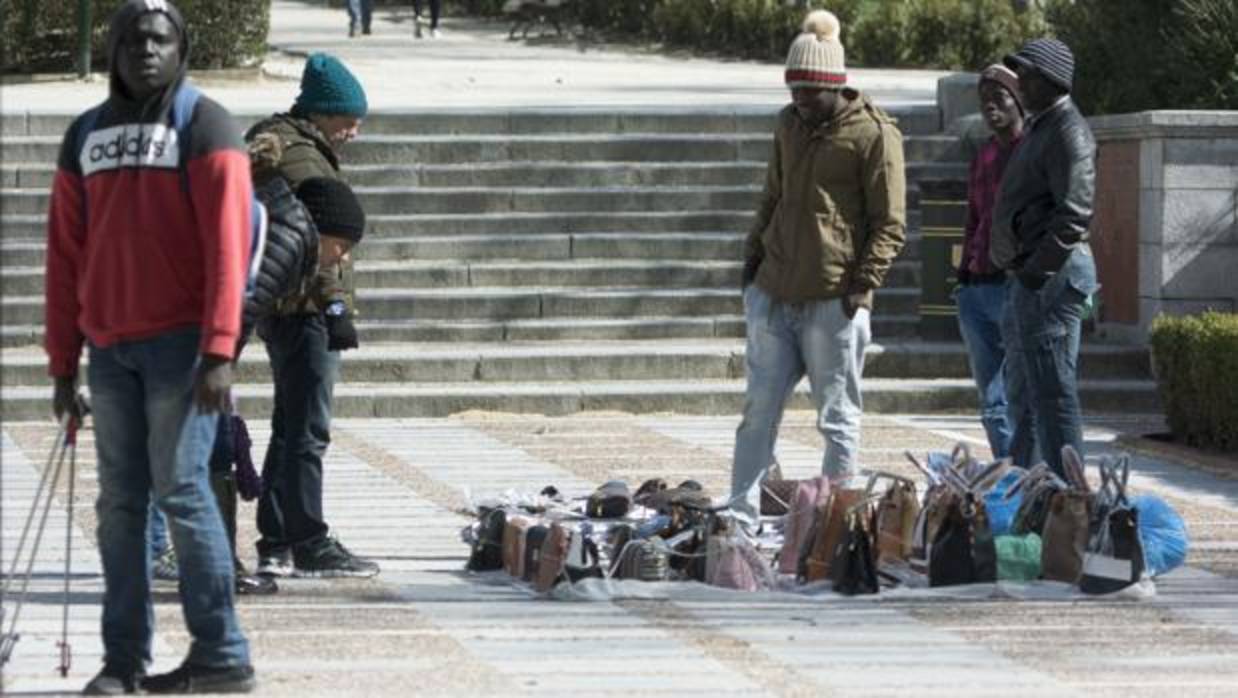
1046 326
150 438
785 342
980 322
359 13
304 371
157 531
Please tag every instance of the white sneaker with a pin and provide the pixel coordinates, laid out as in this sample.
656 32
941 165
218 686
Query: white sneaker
434 34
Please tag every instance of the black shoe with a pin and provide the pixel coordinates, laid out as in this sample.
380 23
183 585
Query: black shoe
114 681
352 31
331 559
277 564
254 585
366 30
190 678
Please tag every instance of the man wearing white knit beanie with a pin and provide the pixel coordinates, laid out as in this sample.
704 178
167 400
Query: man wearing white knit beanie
831 221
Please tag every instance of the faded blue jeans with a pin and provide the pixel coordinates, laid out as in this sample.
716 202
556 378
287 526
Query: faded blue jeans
787 341
150 438
981 306
1043 327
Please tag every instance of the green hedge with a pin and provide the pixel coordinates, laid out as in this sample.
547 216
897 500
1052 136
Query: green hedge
1196 364
1136 55
41 35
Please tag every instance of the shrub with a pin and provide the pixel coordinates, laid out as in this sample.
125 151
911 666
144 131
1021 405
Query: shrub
946 34
42 36
1135 55
1196 364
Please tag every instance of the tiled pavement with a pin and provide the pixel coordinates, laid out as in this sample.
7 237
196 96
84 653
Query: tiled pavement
425 628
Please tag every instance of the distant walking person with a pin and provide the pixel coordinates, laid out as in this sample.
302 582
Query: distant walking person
360 12
147 246
436 9
982 287
831 221
1040 234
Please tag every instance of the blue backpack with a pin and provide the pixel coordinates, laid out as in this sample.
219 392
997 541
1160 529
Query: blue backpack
183 105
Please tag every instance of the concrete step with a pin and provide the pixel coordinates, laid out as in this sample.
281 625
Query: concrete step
912 119
38 176
500 303
886 326
402 273
703 397
637 147
608 360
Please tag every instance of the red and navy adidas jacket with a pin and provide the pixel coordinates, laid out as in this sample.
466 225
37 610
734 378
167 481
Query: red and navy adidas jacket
138 246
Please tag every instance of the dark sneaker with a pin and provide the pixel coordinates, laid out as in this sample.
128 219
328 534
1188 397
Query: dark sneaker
275 564
113 681
164 567
190 678
255 585
331 559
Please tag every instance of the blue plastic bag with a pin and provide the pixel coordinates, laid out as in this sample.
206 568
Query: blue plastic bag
1162 532
1001 510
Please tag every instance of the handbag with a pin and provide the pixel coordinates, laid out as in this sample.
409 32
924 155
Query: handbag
797 524
533 540
829 525
895 517
514 532
731 562
1114 558
610 501
963 551
854 567
487 549
642 560
1067 524
553 556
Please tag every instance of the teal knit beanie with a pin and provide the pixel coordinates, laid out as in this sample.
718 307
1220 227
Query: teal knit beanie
328 87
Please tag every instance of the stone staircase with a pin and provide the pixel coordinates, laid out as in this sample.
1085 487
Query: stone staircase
551 261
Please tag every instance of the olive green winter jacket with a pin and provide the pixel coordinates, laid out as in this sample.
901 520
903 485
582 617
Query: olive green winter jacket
832 216
295 149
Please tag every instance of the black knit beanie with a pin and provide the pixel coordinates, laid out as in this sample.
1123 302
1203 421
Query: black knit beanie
334 208
1049 56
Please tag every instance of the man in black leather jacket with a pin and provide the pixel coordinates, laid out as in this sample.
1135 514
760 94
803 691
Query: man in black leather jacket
1040 236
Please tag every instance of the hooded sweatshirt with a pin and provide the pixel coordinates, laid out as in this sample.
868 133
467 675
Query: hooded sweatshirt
142 238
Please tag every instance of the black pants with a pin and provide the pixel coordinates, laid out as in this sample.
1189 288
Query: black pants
304 372
436 9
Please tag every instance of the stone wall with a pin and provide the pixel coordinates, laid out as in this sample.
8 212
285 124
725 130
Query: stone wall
1166 227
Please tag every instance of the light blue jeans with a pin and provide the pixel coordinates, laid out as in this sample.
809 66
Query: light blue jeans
150 438
980 322
787 341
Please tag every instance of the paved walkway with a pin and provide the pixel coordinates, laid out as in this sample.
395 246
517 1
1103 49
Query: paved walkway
424 627
474 66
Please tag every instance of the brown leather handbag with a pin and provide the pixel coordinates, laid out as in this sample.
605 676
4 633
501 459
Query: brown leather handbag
1064 539
554 556
829 525
514 533
897 511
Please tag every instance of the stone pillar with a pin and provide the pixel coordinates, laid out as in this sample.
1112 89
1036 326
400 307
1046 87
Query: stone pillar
1166 229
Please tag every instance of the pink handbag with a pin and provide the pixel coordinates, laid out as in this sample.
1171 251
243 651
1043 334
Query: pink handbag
731 562
809 494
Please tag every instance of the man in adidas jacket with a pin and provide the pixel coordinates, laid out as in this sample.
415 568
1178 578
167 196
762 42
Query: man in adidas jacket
146 262
830 223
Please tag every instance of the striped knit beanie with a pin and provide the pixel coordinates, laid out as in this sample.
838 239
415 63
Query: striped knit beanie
1050 57
816 56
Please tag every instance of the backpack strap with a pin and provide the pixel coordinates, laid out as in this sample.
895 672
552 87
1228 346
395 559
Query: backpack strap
183 105
85 126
